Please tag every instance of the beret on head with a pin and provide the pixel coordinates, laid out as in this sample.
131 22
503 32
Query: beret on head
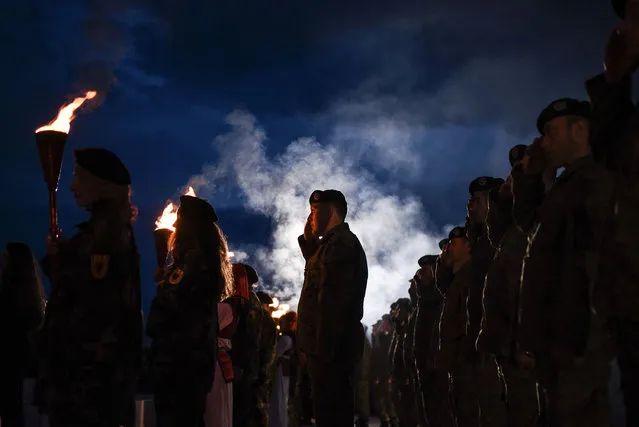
457 232
563 107
329 196
196 209
264 297
484 183
516 154
427 260
253 278
103 164
443 243
620 8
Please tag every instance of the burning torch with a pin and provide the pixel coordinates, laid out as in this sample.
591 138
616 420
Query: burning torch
50 140
164 228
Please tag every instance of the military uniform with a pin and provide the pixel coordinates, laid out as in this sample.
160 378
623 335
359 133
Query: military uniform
183 325
452 354
266 368
330 310
432 382
363 391
499 320
570 342
382 377
615 142
91 343
492 396
409 361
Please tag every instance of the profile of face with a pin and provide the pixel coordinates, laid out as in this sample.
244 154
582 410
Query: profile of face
559 140
477 207
426 275
458 248
320 217
445 255
83 197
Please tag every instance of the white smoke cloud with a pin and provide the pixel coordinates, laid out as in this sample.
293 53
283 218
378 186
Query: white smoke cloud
390 227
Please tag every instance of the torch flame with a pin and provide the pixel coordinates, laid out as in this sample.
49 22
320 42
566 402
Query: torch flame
275 303
169 214
62 123
281 311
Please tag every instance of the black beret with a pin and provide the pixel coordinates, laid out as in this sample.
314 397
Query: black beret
329 196
484 183
563 107
427 260
516 154
103 164
620 8
264 297
457 232
251 274
196 209
442 244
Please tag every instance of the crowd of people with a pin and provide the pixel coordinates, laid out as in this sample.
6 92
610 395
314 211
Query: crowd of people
514 322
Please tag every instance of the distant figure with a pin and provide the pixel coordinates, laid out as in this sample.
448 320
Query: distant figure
331 307
278 410
183 320
90 344
21 313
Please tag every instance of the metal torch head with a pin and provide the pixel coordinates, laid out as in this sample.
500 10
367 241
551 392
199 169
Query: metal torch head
51 149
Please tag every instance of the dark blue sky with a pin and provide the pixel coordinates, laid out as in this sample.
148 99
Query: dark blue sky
423 96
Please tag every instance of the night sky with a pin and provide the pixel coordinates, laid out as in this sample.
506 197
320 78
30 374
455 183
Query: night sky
257 103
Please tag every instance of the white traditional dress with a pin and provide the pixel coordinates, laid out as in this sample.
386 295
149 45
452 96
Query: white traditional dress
219 401
278 406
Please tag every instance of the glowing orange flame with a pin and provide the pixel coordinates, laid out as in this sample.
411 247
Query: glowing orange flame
280 309
62 123
169 214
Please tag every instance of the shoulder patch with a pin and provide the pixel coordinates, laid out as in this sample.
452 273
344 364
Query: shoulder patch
99 265
176 276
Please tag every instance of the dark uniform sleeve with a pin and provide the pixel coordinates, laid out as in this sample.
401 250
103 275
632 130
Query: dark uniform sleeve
612 107
344 273
528 194
443 276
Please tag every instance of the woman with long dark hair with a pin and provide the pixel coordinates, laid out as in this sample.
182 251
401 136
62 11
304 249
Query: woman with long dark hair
21 313
183 320
91 343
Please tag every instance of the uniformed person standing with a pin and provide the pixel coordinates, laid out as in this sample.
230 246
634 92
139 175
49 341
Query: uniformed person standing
558 333
451 354
501 302
266 360
183 320
331 307
381 372
492 398
91 342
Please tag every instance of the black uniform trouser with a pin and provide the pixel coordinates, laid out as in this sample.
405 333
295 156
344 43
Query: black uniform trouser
435 393
626 335
180 400
11 408
332 391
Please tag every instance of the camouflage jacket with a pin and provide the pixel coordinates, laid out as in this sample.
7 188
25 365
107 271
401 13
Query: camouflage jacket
615 145
332 301
501 289
452 323
246 341
560 262
429 302
93 318
483 254
182 321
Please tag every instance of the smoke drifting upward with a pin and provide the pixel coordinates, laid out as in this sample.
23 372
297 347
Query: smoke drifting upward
391 228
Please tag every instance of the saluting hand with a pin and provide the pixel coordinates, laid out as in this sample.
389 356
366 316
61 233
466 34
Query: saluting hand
536 163
308 231
620 58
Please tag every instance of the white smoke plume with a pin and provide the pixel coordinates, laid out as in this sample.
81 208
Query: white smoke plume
390 227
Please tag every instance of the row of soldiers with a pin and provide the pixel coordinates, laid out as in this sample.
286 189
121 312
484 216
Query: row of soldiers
517 320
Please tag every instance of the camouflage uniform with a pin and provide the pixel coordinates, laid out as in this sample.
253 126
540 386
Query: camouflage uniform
245 355
433 382
268 341
500 301
330 310
570 343
362 390
403 392
183 325
615 142
91 343
382 377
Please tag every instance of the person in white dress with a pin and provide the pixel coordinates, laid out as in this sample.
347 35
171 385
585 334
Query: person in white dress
278 408
219 401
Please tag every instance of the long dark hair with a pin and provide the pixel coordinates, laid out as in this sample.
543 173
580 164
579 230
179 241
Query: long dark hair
20 284
208 238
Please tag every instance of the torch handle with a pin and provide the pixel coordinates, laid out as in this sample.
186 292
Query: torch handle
54 230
